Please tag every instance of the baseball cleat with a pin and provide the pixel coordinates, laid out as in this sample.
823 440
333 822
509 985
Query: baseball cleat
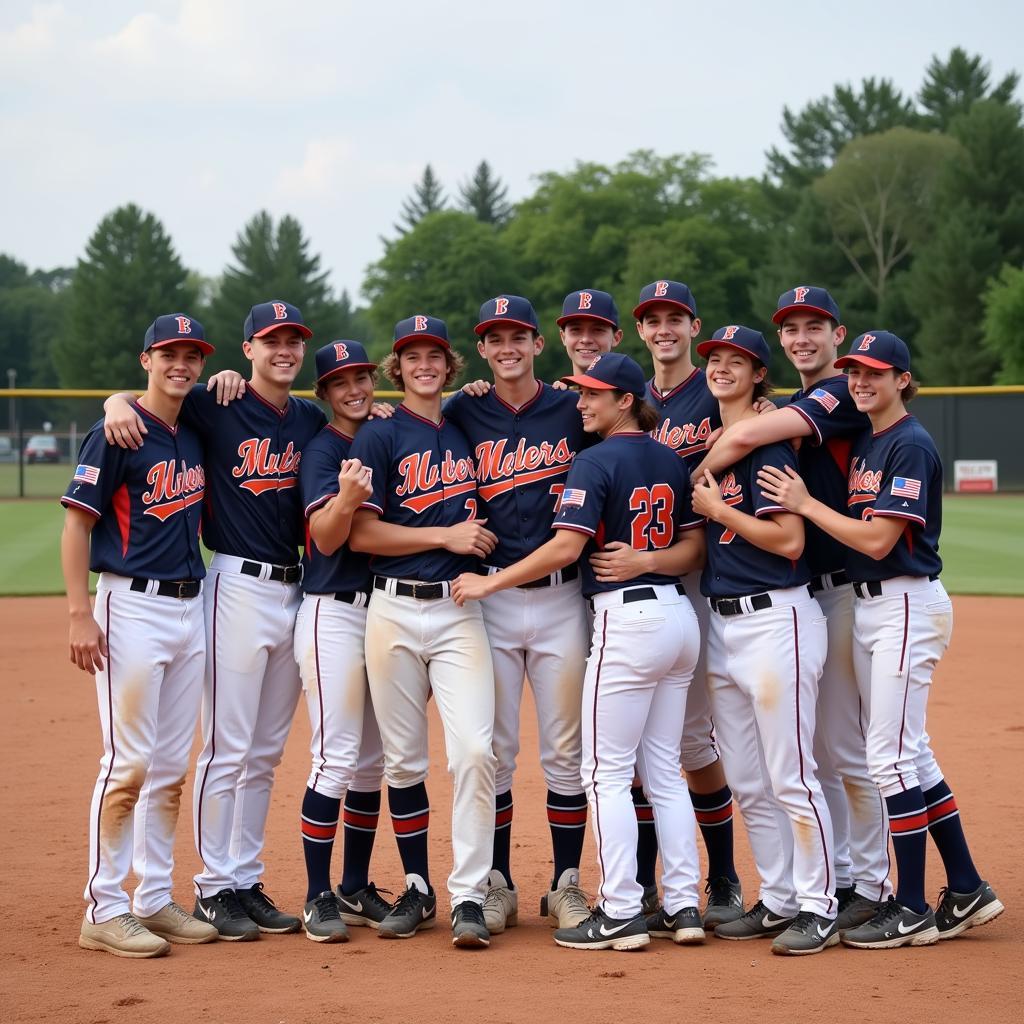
725 902
468 928
958 911
684 927
365 907
599 931
123 936
854 909
757 923
176 924
413 911
651 901
225 912
262 909
321 917
809 933
501 904
566 905
894 925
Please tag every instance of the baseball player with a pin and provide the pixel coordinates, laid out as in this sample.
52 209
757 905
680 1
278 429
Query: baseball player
630 489
903 619
348 761
588 326
420 524
252 521
133 517
765 650
524 435
667 321
823 415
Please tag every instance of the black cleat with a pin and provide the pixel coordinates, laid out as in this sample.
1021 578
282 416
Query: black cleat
958 911
725 902
757 923
413 911
684 927
599 931
224 911
468 928
262 909
809 933
365 907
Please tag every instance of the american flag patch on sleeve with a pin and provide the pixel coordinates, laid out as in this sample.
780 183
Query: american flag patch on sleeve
573 496
87 474
905 487
827 401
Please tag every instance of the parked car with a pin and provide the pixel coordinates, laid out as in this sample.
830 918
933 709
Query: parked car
6 450
42 448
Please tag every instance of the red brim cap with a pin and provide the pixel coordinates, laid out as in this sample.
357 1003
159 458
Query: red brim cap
409 339
875 364
588 382
639 311
347 366
482 327
799 307
706 347
563 320
301 328
204 346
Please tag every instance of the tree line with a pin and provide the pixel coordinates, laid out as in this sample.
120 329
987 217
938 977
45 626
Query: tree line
910 209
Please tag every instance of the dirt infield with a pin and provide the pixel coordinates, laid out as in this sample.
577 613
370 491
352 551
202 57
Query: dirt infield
50 750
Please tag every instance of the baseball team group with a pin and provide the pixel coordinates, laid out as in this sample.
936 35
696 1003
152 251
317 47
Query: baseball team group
713 597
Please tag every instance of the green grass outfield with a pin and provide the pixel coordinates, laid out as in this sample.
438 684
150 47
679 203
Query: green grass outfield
982 544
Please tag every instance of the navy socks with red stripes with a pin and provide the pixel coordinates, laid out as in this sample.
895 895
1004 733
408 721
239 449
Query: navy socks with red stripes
908 825
714 816
319 826
647 838
947 832
362 811
500 858
567 819
410 817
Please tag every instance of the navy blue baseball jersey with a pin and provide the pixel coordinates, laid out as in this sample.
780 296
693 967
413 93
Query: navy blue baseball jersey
689 415
318 483
628 488
824 458
252 452
522 457
735 567
148 503
422 474
897 472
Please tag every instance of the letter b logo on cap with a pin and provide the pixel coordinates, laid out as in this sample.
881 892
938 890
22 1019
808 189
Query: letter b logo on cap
280 311
729 333
586 299
661 288
500 306
340 351
800 294
865 342
184 325
419 323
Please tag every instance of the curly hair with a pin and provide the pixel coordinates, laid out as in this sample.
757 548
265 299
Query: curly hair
390 368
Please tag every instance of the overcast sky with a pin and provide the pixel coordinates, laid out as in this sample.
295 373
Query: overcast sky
205 111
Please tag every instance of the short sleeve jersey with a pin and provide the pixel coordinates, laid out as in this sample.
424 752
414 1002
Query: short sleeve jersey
345 570
829 410
422 474
628 488
148 503
522 457
735 567
897 472
689 415
252 453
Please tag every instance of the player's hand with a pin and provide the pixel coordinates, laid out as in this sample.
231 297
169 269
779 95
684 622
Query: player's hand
230 384
707 498
87 643
470 586
470 538
122 425
560 385
763 405
381 411
618 563
476 388
787 489
354 484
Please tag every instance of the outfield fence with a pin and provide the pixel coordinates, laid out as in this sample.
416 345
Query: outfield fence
44 428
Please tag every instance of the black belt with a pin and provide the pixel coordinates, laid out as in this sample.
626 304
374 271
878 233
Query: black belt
837 579
646 594
734 605
182 589
873 588
569 573
421 591
345 596
278 573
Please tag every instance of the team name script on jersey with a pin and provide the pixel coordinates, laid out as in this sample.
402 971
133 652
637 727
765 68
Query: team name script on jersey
421 475
732 494
172 489
863 486
684 439
265 470
499 470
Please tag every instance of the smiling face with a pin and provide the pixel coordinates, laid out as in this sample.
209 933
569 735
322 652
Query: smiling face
276 356
876 392
602 412
585 339
810 342
173 369
668 331
423 368
349 394
509 350
732 375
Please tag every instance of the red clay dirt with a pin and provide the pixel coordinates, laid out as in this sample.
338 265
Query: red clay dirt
51 745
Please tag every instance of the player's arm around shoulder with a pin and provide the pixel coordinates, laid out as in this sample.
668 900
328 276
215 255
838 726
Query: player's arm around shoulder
738 441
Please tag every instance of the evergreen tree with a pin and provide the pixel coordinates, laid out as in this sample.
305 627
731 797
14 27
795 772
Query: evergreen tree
953 86
484 196
427 197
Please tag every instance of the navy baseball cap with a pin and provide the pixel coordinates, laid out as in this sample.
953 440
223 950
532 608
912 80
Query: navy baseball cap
341 355
507 309
672 292
268 316
881 350
806 299
742 339
612 370
174 327
590 304
420 328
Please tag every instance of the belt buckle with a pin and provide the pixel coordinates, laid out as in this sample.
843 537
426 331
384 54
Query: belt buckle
182 584
417 587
